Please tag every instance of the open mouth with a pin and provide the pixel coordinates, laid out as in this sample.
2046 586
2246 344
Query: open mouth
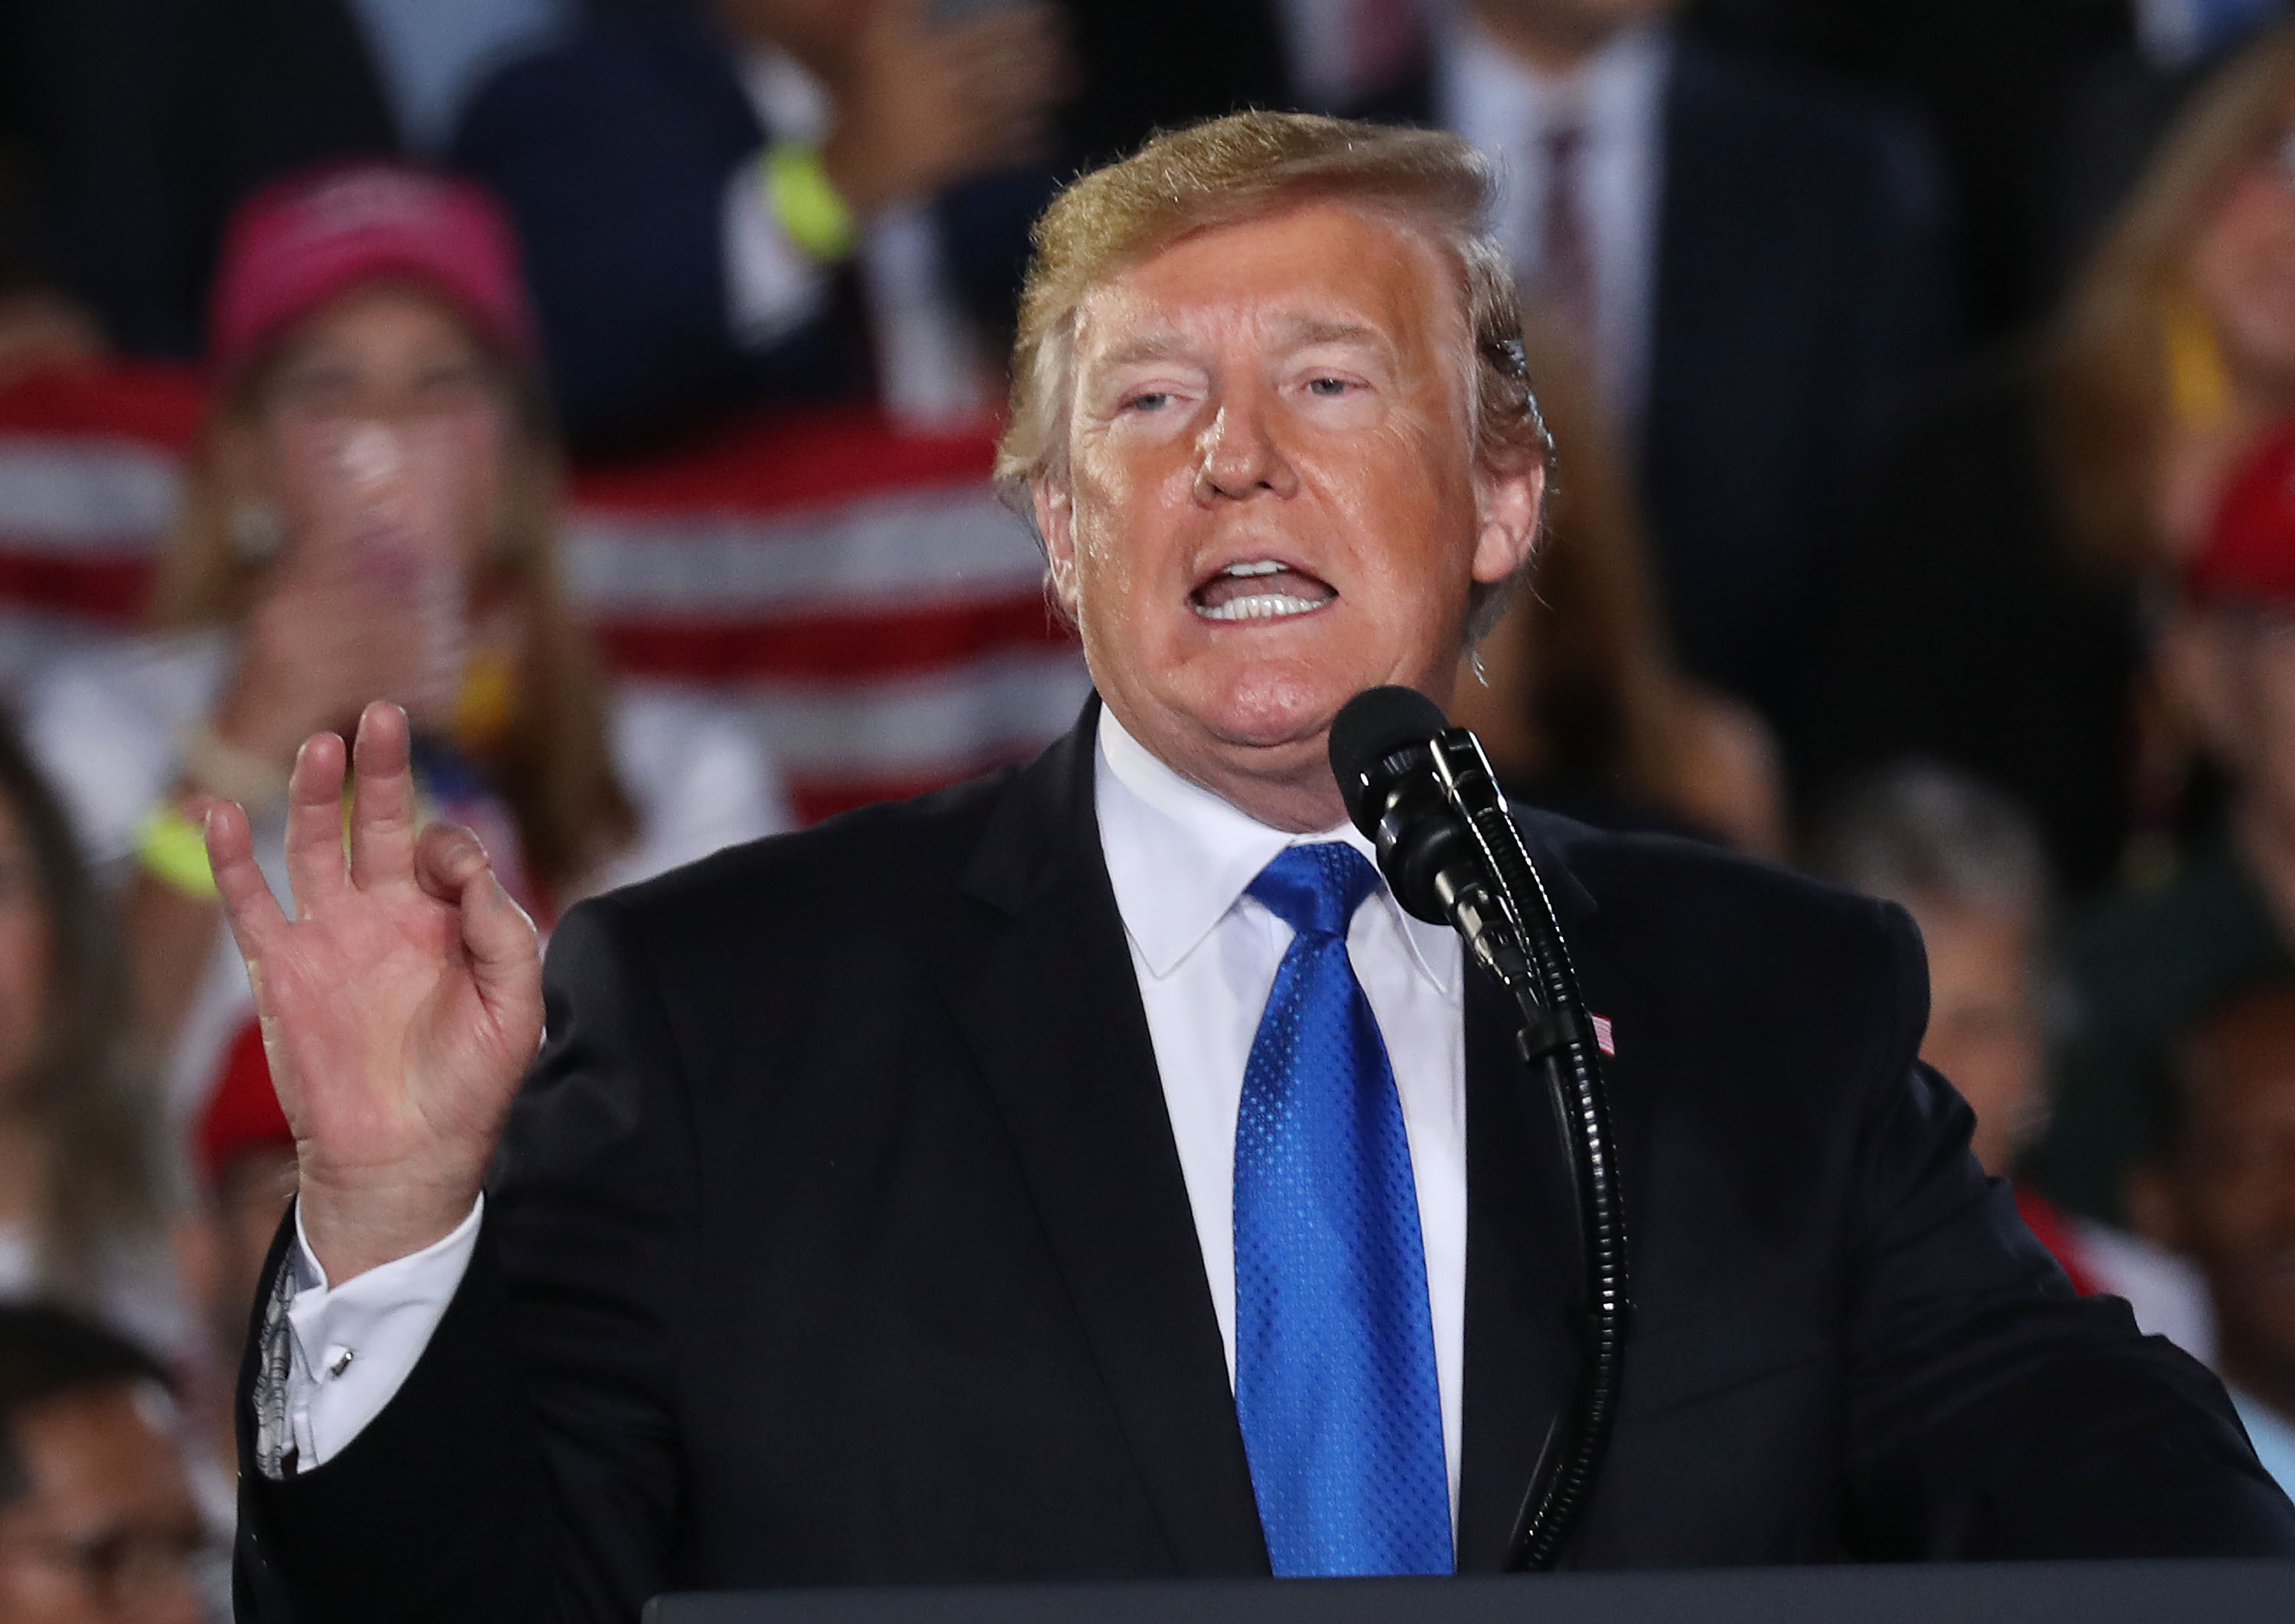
1260 588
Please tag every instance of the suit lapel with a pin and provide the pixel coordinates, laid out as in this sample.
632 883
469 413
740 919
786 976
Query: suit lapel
1048 999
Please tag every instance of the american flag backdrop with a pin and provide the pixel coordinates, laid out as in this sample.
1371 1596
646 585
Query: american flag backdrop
856 593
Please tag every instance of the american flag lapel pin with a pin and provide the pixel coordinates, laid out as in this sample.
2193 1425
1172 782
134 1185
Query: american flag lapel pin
1604 1038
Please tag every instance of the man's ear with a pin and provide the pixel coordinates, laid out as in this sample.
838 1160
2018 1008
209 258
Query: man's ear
1507 507
1054 506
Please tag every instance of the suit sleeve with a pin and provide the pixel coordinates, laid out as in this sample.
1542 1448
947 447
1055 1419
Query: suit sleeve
529 1469
1992 1414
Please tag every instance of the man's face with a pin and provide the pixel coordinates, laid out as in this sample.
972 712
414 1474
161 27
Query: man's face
106 1532
1575 24
1984 1025
2236 1180
1272 501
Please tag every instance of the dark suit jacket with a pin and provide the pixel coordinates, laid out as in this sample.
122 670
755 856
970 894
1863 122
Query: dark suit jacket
1800 294
612 149
840 1237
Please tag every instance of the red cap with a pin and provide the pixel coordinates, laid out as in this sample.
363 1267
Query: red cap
294 245
242 1114
2251 548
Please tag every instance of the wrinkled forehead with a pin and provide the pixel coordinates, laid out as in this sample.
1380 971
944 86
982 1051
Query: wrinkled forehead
1316 273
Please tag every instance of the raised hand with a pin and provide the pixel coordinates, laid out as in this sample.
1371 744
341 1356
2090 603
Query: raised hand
316 646
926 104
400 1008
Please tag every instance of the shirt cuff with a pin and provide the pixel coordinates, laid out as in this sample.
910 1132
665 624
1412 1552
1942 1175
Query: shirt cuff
352 1346
773 287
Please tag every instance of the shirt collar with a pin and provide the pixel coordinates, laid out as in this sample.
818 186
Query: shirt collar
1180 858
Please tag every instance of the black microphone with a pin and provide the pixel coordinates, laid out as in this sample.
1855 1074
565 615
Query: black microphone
1383 753
1423 791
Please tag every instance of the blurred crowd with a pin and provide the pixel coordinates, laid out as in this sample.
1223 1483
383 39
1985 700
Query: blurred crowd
1923 379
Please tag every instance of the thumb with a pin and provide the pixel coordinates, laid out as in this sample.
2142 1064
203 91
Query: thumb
505 953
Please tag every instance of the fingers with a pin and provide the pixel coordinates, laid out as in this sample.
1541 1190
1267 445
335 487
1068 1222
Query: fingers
447 857
382 799
315 870
255 914
498 938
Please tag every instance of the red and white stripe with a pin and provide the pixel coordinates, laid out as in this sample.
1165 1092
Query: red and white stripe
859 595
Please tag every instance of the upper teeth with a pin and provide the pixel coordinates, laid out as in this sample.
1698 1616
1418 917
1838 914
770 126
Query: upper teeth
1263 567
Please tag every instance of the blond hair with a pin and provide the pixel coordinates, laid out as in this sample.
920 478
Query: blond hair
2134 319
1246 167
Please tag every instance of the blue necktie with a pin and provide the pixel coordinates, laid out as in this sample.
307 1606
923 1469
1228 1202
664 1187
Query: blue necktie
1334 1379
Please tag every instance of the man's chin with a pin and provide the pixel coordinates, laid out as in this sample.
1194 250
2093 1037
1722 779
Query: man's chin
1277 711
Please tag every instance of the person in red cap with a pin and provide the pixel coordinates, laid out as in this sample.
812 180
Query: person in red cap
372 513
2145 964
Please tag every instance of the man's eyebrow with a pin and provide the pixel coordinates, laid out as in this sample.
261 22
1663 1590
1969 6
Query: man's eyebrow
1304 329
1146 346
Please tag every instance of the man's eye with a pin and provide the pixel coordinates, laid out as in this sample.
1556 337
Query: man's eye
1150 400
1329 387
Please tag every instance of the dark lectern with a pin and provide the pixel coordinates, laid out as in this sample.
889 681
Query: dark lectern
2022 1593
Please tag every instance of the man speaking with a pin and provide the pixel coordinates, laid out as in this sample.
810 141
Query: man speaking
1091 1172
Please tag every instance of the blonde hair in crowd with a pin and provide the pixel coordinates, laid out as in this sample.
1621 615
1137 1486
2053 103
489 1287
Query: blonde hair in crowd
1246 167
2134 347
553 764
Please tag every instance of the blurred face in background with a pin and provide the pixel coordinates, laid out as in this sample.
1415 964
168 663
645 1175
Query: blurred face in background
2228 1199
1984 1031
24 952
380 439
2242 268
2232 667
107 1530
1574 25
1272 501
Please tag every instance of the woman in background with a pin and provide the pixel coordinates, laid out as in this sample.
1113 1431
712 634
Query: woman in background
1993 608
370 513
88 1194
1574 694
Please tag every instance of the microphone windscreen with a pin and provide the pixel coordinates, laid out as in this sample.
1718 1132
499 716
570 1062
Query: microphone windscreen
1375 724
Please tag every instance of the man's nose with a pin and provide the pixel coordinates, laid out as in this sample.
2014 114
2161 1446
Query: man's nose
1238 454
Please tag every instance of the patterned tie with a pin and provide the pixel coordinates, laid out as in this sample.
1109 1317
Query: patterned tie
1334 1379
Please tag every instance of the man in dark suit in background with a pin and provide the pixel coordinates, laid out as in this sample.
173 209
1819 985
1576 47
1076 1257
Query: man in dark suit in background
1091 1171
691 186
736 202
1754 262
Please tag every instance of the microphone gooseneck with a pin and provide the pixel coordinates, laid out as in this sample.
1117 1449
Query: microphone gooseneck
1423 792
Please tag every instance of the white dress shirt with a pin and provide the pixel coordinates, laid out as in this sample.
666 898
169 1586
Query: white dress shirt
431 54
1206 955
1490 95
